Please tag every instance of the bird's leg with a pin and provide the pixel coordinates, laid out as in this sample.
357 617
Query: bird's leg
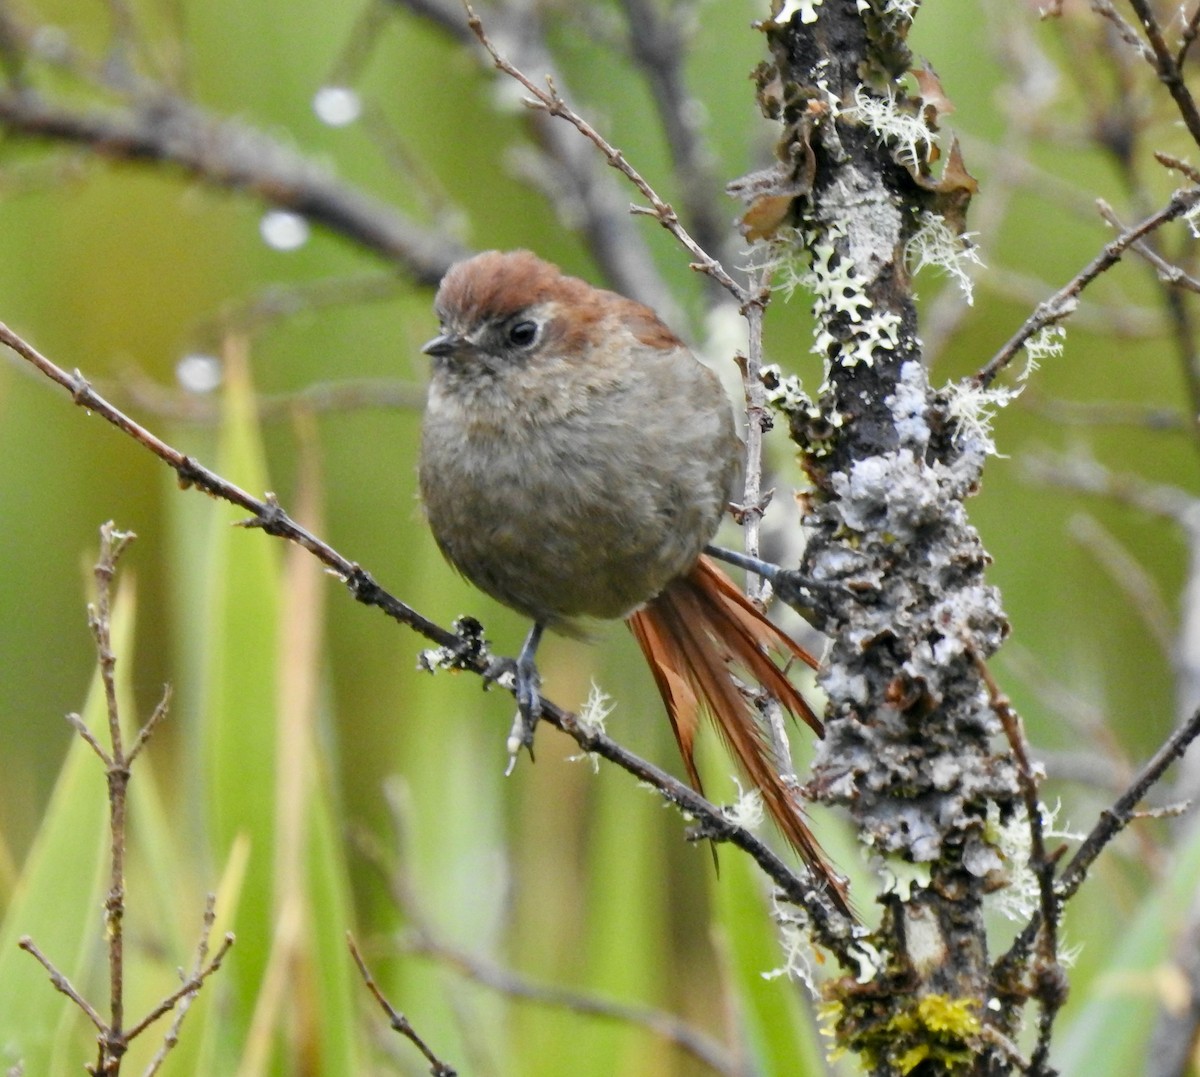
529 699
797 590
756 565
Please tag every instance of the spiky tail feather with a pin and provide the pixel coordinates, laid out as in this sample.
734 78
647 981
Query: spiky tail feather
691 634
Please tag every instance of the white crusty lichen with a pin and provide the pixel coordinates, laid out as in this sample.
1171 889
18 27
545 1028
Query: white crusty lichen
806 9
895 8
840 297
937 245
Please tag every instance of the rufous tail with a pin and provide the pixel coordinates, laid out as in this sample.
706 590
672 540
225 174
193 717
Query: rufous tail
699 627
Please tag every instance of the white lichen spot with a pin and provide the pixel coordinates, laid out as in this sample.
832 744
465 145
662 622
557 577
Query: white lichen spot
1047 343
784 391
806 9
910 136
747 811
935 244
1192 217
592 716
900 876
973 410
796 944
1021 898
908 406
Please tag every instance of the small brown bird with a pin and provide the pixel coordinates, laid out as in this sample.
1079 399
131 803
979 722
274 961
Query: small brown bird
576 459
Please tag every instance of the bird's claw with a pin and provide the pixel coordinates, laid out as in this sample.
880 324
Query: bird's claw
529 710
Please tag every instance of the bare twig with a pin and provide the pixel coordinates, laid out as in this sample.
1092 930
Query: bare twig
566 171
1169 71
1063 303
1087 475
230 154
1111 822
1149 417
464 650
656 42
62 984
423 938
317 398
1167 272
186 990
195 981
1049 978
1129 576
548 100
397 1020
667 1026
114 1038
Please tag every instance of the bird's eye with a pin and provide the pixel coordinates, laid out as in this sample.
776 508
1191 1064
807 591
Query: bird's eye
522 334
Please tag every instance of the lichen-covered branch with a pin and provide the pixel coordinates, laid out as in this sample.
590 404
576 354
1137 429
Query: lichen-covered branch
910 749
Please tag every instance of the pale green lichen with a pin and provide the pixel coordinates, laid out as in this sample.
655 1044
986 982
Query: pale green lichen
936 245
910 137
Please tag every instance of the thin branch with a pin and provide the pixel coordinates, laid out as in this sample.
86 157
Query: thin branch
667 1026
62 984
1063 303
227 153
1128 576
143 734
1170 73
758 421
1190 31
424 939
566 171
1167 272
1049 976
317 398
549 101
1149 417
113 1043
464 650
1111 822
80 727
171 1037
1086 475
397 1020
186 990
656 42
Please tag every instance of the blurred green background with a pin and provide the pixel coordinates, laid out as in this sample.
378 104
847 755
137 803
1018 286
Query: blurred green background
299 716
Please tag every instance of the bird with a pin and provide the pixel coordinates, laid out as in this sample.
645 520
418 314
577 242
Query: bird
576 461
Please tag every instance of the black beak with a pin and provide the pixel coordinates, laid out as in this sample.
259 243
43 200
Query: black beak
446 344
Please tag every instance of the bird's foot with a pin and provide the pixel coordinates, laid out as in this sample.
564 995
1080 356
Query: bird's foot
529 700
